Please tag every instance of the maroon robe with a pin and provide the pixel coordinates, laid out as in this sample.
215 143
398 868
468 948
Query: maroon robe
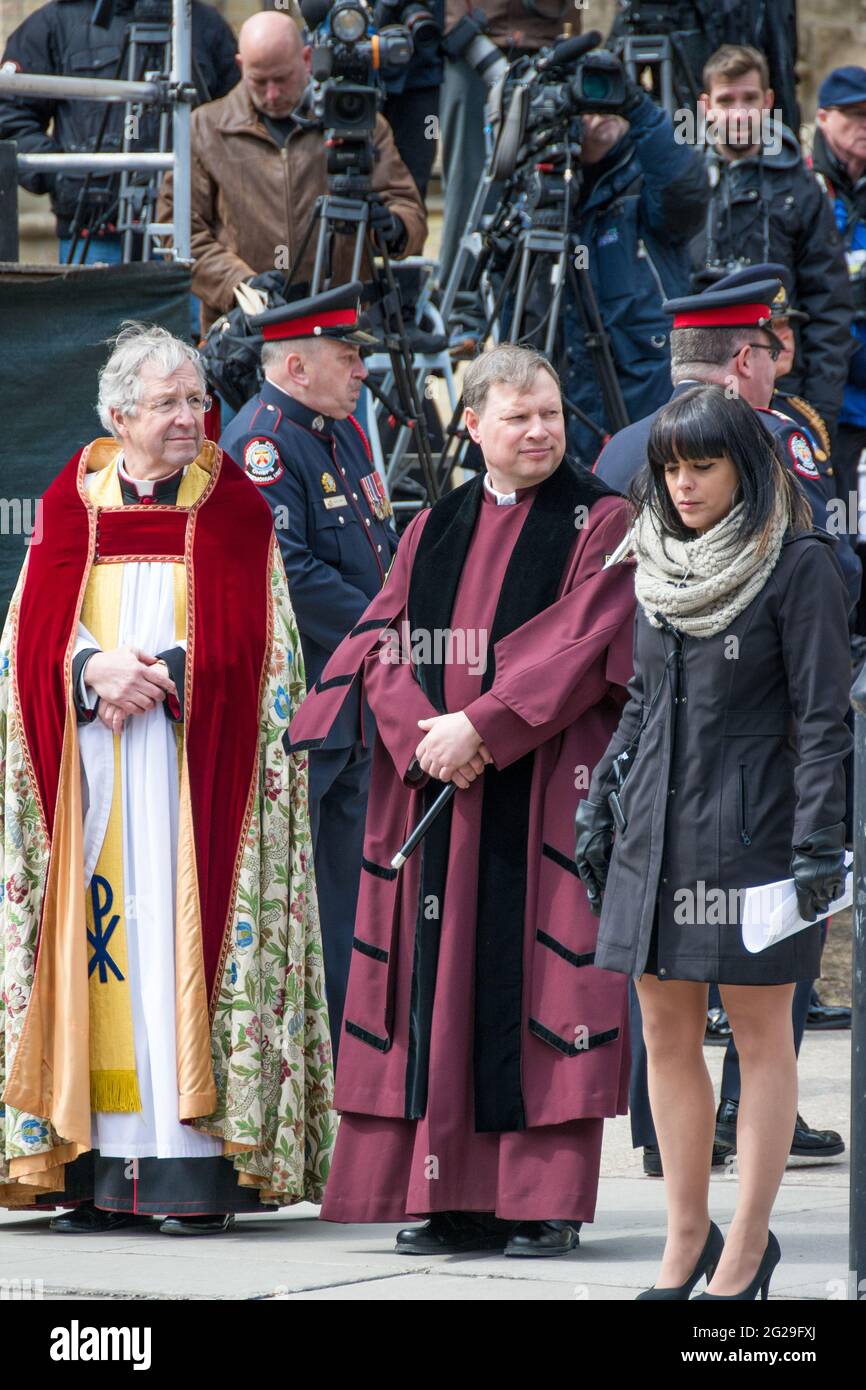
481 1047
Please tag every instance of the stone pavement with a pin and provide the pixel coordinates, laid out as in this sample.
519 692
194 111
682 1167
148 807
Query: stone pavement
290 1255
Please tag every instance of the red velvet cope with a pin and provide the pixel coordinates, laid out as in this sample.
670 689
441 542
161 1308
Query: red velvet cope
231 555
228 642
46 615
129 534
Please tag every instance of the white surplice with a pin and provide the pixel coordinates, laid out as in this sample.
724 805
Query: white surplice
149 778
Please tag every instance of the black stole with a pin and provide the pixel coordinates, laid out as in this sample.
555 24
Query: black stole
532 582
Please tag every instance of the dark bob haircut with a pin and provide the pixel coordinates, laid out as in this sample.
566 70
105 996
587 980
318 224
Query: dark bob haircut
705 423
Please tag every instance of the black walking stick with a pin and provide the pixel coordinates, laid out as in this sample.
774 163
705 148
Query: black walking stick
423 825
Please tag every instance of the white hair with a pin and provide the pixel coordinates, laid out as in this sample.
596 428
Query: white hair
138 344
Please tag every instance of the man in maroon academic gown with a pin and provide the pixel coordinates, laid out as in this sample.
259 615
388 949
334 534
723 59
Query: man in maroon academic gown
481 1048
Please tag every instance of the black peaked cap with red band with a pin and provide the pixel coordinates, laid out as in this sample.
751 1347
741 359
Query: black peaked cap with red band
331 314
741 306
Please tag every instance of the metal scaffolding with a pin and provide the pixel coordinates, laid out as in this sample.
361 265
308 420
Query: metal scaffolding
175 93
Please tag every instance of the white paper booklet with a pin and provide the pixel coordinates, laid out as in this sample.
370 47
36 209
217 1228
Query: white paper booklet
770 912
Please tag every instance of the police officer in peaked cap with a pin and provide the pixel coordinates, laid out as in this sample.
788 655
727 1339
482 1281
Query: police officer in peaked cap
786 318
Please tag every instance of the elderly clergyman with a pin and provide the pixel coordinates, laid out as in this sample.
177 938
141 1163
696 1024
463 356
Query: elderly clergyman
481 1048
163 1032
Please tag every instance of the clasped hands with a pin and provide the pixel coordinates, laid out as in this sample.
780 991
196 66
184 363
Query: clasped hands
452 750
127 681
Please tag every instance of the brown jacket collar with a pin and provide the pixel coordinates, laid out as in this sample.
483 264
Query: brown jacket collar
234 114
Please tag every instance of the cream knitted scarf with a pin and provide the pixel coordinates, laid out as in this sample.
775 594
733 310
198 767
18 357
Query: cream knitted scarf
700 586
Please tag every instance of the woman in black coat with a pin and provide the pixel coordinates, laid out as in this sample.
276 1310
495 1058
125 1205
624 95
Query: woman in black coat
725 772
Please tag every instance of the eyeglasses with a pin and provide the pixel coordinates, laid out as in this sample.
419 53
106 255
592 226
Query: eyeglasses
167 404
775 352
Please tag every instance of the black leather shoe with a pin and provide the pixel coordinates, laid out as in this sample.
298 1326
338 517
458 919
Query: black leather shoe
770 1258
726 1124
823 1017
807 1143
535 1239
652 1159
718 1027
90 1220
706 1265
454 1233
815 1143
197 1225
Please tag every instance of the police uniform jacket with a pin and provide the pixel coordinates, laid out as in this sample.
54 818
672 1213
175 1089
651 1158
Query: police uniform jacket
332 521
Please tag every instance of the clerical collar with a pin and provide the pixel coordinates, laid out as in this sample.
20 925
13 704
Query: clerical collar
143 492
503 499
313 420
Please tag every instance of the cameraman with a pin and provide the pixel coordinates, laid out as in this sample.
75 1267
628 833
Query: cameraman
642 198
516 27
259 164
839 161
61 39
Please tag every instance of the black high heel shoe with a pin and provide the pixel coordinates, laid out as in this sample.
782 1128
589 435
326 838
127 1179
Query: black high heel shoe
770 1258
707 1261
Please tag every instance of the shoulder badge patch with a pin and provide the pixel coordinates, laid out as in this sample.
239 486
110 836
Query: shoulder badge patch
262 462
802 456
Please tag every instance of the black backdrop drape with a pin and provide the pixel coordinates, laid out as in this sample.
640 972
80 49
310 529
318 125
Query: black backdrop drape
53 327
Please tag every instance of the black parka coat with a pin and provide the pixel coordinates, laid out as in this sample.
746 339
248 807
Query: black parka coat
738 747
771 208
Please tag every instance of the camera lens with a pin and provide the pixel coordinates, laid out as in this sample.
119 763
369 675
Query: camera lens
348 23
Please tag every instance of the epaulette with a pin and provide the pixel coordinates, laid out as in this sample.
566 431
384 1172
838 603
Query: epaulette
817 423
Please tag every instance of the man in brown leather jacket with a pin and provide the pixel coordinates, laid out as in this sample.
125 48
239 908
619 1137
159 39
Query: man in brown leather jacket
259 164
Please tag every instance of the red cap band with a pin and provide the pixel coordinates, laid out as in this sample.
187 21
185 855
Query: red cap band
730 316
303 328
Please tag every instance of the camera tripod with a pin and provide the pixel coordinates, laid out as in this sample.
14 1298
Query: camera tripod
347 205
531 245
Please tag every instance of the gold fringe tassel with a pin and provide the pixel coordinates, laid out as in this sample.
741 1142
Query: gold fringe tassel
116 1091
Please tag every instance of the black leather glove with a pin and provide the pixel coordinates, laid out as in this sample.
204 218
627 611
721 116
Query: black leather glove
593 829
387 226
818 867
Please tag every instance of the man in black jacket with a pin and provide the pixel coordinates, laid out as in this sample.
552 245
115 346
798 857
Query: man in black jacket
766 206
61 39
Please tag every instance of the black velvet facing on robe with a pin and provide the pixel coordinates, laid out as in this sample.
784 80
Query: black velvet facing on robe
532 583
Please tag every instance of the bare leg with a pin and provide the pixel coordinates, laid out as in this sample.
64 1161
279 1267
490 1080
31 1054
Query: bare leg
683 1107
761 1021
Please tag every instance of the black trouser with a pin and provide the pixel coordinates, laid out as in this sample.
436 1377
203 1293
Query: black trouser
413 116
339 781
